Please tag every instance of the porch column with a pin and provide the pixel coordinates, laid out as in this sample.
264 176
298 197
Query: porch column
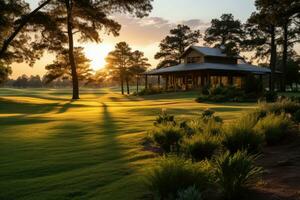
137 84
167 82
230 80
158 81
146 82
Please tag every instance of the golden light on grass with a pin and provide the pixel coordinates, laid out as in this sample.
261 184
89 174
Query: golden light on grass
97 53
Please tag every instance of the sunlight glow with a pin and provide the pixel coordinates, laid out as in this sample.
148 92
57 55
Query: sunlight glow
97 53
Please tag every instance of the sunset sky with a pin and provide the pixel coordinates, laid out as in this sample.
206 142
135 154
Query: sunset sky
145 34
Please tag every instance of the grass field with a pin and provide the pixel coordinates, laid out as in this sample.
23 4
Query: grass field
54 148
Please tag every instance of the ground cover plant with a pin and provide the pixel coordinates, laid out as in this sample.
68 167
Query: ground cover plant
231 149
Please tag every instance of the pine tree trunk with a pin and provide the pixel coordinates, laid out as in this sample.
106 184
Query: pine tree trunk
122 84
284 56
69 5
273 58
17 30
127 84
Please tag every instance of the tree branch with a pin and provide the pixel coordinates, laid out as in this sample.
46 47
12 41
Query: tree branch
24 21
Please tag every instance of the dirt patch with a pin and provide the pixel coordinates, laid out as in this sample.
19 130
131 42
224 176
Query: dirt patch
281 179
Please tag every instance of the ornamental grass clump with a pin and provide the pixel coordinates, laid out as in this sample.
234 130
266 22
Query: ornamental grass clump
173 175
284 106
235 173
274 127
167 137
240 135
200 146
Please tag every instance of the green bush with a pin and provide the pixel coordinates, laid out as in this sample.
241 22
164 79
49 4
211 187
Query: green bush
164 118
235 173
208 114
226 94
173 174
149 91
286 106
191 193
205 90
200 146
167 137
240 135
274 127
297 116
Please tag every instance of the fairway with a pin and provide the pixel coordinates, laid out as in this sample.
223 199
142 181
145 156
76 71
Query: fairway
54 148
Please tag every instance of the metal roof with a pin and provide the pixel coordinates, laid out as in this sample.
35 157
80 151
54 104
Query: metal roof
208 51
210 66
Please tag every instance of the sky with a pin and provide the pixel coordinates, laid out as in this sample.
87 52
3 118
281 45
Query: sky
145 34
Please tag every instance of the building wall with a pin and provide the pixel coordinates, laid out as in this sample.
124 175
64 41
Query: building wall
194 57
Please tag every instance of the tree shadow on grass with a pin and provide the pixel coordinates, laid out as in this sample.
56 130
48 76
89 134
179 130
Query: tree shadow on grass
11 107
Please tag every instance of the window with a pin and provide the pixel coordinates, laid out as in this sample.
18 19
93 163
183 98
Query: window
193 59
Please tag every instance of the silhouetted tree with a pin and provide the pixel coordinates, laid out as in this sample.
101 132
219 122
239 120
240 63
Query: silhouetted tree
226 32
174 45
138 65
35 82
15 41
5 72
61 67
86 18
262 32
119 61
21 82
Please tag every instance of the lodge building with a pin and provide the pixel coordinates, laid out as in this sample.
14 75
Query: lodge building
202 66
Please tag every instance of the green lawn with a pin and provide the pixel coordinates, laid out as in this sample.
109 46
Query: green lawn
54 148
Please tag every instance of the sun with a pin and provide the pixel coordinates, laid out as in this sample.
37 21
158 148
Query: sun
97 53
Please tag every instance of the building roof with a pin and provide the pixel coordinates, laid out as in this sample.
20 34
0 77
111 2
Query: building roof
210 66
207 51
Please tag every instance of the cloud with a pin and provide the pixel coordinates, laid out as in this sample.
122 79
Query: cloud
146 31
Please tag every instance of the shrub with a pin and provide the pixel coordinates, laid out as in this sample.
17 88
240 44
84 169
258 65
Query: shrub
165 118
167 137
236 172
200 146
226 94
191 193
210 114
297 116
205 90
274 127
173 174
149 91
286 106
240 135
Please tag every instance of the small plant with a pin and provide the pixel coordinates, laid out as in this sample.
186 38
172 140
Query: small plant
173 174
167 137
297 116
200 146
210 114
274 127
235 173
240 135
191 193
164 118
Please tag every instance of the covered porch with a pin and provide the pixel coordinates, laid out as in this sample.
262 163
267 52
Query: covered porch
179 81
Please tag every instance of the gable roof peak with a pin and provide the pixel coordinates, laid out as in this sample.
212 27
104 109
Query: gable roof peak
207 51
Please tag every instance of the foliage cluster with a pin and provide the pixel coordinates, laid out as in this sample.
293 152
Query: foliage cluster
226 152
